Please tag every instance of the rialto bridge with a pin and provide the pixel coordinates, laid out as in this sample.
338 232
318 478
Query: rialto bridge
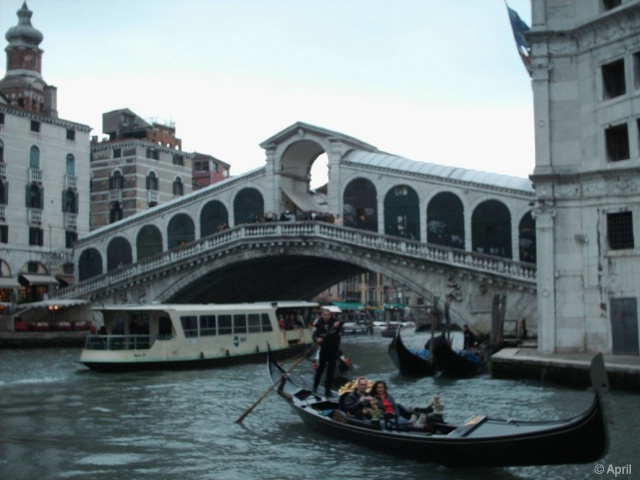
446 232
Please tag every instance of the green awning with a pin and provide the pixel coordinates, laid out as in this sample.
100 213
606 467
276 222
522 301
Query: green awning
348 305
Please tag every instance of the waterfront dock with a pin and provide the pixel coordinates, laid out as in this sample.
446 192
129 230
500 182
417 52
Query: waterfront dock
42 339
570 369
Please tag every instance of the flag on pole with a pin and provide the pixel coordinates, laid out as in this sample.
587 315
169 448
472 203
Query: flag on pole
519 30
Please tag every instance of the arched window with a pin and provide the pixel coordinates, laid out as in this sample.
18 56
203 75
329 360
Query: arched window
35 196
116 181
34 157
70 201
178 187
71 165
152 181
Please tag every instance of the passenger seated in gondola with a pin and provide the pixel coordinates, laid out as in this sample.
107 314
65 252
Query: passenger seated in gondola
394 415
358 402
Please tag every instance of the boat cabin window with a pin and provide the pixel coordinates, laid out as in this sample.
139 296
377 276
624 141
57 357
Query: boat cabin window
224 325
254 322
164 327
117 325
239 324
207 325
266 323
189 325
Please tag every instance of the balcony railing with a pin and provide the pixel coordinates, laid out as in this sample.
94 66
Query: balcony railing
70 181
115 195
3 169
34 215
152 196
70 220
35 175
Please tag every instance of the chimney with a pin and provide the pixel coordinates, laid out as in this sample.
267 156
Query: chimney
50 101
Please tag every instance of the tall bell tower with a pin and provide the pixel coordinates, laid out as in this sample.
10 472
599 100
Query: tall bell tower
22 85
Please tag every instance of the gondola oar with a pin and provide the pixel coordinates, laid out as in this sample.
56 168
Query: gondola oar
296 363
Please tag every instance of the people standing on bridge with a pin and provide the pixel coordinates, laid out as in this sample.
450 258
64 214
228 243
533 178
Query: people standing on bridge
327 332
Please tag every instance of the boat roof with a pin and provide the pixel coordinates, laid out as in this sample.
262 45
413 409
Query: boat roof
206 307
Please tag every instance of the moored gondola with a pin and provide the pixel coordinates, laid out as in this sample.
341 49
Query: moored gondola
408 362
480 442
451 363
440 359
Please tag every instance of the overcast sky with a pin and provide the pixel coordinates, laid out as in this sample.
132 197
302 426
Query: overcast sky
438 81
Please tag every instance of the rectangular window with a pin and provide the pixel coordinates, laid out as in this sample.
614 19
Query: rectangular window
1 118
617 143
620 230
35 126
189 325
178 160
207 325
71 134
613 81
224 324
4 234
239 324
117 153
254 323
70 239
153 153
36 236
266 323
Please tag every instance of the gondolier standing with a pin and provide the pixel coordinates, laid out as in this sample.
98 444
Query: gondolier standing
327 331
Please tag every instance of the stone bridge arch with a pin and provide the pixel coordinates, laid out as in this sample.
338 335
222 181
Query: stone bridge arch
289 261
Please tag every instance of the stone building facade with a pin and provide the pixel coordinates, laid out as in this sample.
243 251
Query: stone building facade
585 68
44 173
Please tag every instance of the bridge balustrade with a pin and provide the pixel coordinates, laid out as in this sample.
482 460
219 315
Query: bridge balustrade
421 251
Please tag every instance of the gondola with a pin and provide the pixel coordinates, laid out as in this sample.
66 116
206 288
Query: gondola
441 359
479 442
456 364
407 362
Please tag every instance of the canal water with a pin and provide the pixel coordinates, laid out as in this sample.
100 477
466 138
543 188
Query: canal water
59 420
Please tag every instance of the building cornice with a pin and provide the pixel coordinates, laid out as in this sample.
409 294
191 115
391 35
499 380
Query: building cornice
45 119
110 145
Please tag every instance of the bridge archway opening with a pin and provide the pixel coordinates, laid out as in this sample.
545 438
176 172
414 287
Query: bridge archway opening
360 202
304 176
491 229
402 212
